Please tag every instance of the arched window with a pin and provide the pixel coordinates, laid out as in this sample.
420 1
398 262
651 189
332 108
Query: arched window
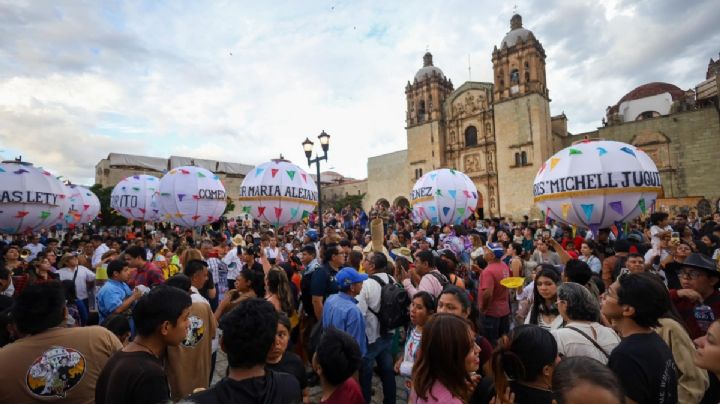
517 160
470 136
421 111
523 158
515 76
527 76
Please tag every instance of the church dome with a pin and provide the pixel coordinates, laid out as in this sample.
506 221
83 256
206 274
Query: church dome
428 69
516 33
650 89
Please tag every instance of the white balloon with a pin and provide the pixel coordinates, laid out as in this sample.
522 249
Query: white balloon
597 184
191 196
135 198
84 205
444 196
31 198
278 192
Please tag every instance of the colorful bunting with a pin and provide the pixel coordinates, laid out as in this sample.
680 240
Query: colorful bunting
617 207
574 152
601 151
553 162
290 174
278 212
641 203
588 209
565 209
452 193
628 151
274 171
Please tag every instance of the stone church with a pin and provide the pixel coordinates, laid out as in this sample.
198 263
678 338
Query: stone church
500 133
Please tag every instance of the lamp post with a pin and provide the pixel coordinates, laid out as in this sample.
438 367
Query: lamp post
308 147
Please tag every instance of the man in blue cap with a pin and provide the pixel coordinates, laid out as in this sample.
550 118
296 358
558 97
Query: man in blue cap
492 296
340 310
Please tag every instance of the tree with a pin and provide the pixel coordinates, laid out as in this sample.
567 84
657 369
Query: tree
355 201
107 214
229 207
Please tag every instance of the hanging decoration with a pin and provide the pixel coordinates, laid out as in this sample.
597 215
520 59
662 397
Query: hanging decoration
31 199
278 192
135 198
191 196
444 196
597 184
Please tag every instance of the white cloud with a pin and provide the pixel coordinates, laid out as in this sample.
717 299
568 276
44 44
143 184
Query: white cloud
245 82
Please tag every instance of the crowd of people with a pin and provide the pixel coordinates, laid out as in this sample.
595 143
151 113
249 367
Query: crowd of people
139 314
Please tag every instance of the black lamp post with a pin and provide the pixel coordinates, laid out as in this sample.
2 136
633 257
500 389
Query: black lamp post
308 147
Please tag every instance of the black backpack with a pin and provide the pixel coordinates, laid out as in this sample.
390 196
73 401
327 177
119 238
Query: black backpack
394 302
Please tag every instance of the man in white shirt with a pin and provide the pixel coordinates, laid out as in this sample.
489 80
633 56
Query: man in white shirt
379 341
35 247
100 249
81 276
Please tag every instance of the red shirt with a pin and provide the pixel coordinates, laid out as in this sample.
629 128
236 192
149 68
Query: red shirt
149 276
347 393
499 302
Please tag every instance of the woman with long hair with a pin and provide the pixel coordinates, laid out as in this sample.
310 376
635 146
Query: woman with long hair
515 262
447 359
544 311
277 290
248 284
40 270
421 308
524 361
588 255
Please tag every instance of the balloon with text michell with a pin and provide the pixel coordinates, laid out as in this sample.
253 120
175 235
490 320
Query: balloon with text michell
31 199
191 196
597 184
135 198
278 192
444 196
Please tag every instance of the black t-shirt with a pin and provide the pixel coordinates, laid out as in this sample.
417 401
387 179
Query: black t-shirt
291 364
272 388
323 282
672 271
645 366
132 377
530 395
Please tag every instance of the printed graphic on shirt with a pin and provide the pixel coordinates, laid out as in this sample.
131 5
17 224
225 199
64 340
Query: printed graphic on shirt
55 372
195 332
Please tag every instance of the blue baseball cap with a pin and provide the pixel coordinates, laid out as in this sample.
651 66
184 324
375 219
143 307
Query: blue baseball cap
496 248
347 276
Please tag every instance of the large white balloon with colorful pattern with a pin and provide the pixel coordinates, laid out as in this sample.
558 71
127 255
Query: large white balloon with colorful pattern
444 196
596 184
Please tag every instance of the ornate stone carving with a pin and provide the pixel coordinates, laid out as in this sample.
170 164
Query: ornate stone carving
472 163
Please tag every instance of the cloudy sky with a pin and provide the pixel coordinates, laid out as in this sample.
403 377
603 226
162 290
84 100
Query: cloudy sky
244 81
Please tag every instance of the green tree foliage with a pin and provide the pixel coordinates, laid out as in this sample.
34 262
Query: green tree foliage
355 201
107 214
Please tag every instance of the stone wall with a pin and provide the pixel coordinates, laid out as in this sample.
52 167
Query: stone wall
688 159
387 178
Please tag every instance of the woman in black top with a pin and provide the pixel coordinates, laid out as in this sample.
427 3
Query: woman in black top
279 359
527 357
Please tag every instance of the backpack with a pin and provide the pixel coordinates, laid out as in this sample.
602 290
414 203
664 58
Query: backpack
394 302
441 278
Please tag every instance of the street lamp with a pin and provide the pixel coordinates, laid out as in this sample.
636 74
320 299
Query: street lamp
308 148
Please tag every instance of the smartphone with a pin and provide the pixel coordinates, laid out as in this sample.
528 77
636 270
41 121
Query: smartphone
675 237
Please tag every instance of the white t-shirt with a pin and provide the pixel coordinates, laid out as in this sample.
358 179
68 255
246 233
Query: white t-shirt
84 276
232 258
35 249
572 343
655 231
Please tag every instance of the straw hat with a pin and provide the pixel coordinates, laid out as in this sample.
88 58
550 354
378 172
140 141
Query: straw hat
238 240
403 252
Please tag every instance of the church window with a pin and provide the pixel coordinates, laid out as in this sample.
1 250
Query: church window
421 111
470 136
514 76
527 76
523 158
517 160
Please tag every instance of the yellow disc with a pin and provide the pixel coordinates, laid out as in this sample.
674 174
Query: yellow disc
513 282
